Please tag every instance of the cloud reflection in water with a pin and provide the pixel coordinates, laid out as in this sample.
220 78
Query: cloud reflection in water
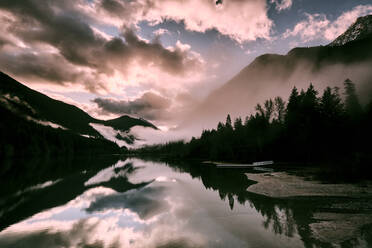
145 204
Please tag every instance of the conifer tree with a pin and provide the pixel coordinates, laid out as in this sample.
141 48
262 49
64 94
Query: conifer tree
352 105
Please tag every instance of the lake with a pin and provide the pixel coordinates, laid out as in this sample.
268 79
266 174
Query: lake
137 203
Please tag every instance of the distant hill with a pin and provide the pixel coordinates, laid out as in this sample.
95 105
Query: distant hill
125 122
42 109
21 137
270 75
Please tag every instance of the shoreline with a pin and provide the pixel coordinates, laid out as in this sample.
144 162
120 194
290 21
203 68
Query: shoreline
283 185
337 223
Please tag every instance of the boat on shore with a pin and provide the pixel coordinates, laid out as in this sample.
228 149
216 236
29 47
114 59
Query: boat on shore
263 169
242 166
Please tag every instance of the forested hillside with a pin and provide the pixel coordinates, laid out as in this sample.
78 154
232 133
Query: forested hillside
329 128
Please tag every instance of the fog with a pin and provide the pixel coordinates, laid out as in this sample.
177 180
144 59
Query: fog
240 95
150 136
254 84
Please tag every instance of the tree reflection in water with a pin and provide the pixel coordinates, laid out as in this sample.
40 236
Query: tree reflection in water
148 200
282 216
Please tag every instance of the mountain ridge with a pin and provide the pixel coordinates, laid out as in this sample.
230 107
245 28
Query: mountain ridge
270 75
358 30
36 106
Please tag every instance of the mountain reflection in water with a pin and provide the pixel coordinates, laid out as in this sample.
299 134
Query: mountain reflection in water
136 203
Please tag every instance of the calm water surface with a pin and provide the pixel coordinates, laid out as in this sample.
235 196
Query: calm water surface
136 203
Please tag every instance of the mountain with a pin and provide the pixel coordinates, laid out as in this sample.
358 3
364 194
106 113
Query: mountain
270 75
124 123
359 30
22 137
44 110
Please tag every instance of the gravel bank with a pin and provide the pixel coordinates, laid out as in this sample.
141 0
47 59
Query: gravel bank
281 184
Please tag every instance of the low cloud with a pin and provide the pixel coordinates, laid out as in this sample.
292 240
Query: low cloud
165 111
150 106
319 27
148 136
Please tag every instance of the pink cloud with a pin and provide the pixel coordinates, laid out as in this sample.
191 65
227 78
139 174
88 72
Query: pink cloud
318 26
282 4
59 45
161 31
240 20
345 20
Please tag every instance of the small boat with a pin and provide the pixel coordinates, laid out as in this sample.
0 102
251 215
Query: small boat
263 163
263 169
234 165
254 165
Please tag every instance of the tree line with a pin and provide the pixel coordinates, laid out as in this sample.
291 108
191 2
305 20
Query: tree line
309 127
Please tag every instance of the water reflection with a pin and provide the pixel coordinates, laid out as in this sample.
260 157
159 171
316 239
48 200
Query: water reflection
145 202
135 203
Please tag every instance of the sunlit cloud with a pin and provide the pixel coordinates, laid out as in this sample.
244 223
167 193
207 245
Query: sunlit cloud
40 50
161 31
282 4
229 18
320 27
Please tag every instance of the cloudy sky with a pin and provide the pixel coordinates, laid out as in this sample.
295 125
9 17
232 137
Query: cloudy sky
154 58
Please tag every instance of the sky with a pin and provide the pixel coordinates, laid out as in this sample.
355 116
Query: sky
155 59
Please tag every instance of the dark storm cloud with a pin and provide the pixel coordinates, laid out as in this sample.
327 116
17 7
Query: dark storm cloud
150 106
170 61
2 42
48 67
113 7
118 49
40 67
59 25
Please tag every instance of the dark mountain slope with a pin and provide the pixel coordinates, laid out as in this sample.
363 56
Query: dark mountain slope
48 109
282 67
270 75
359 30
28 102
20 138
125 122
